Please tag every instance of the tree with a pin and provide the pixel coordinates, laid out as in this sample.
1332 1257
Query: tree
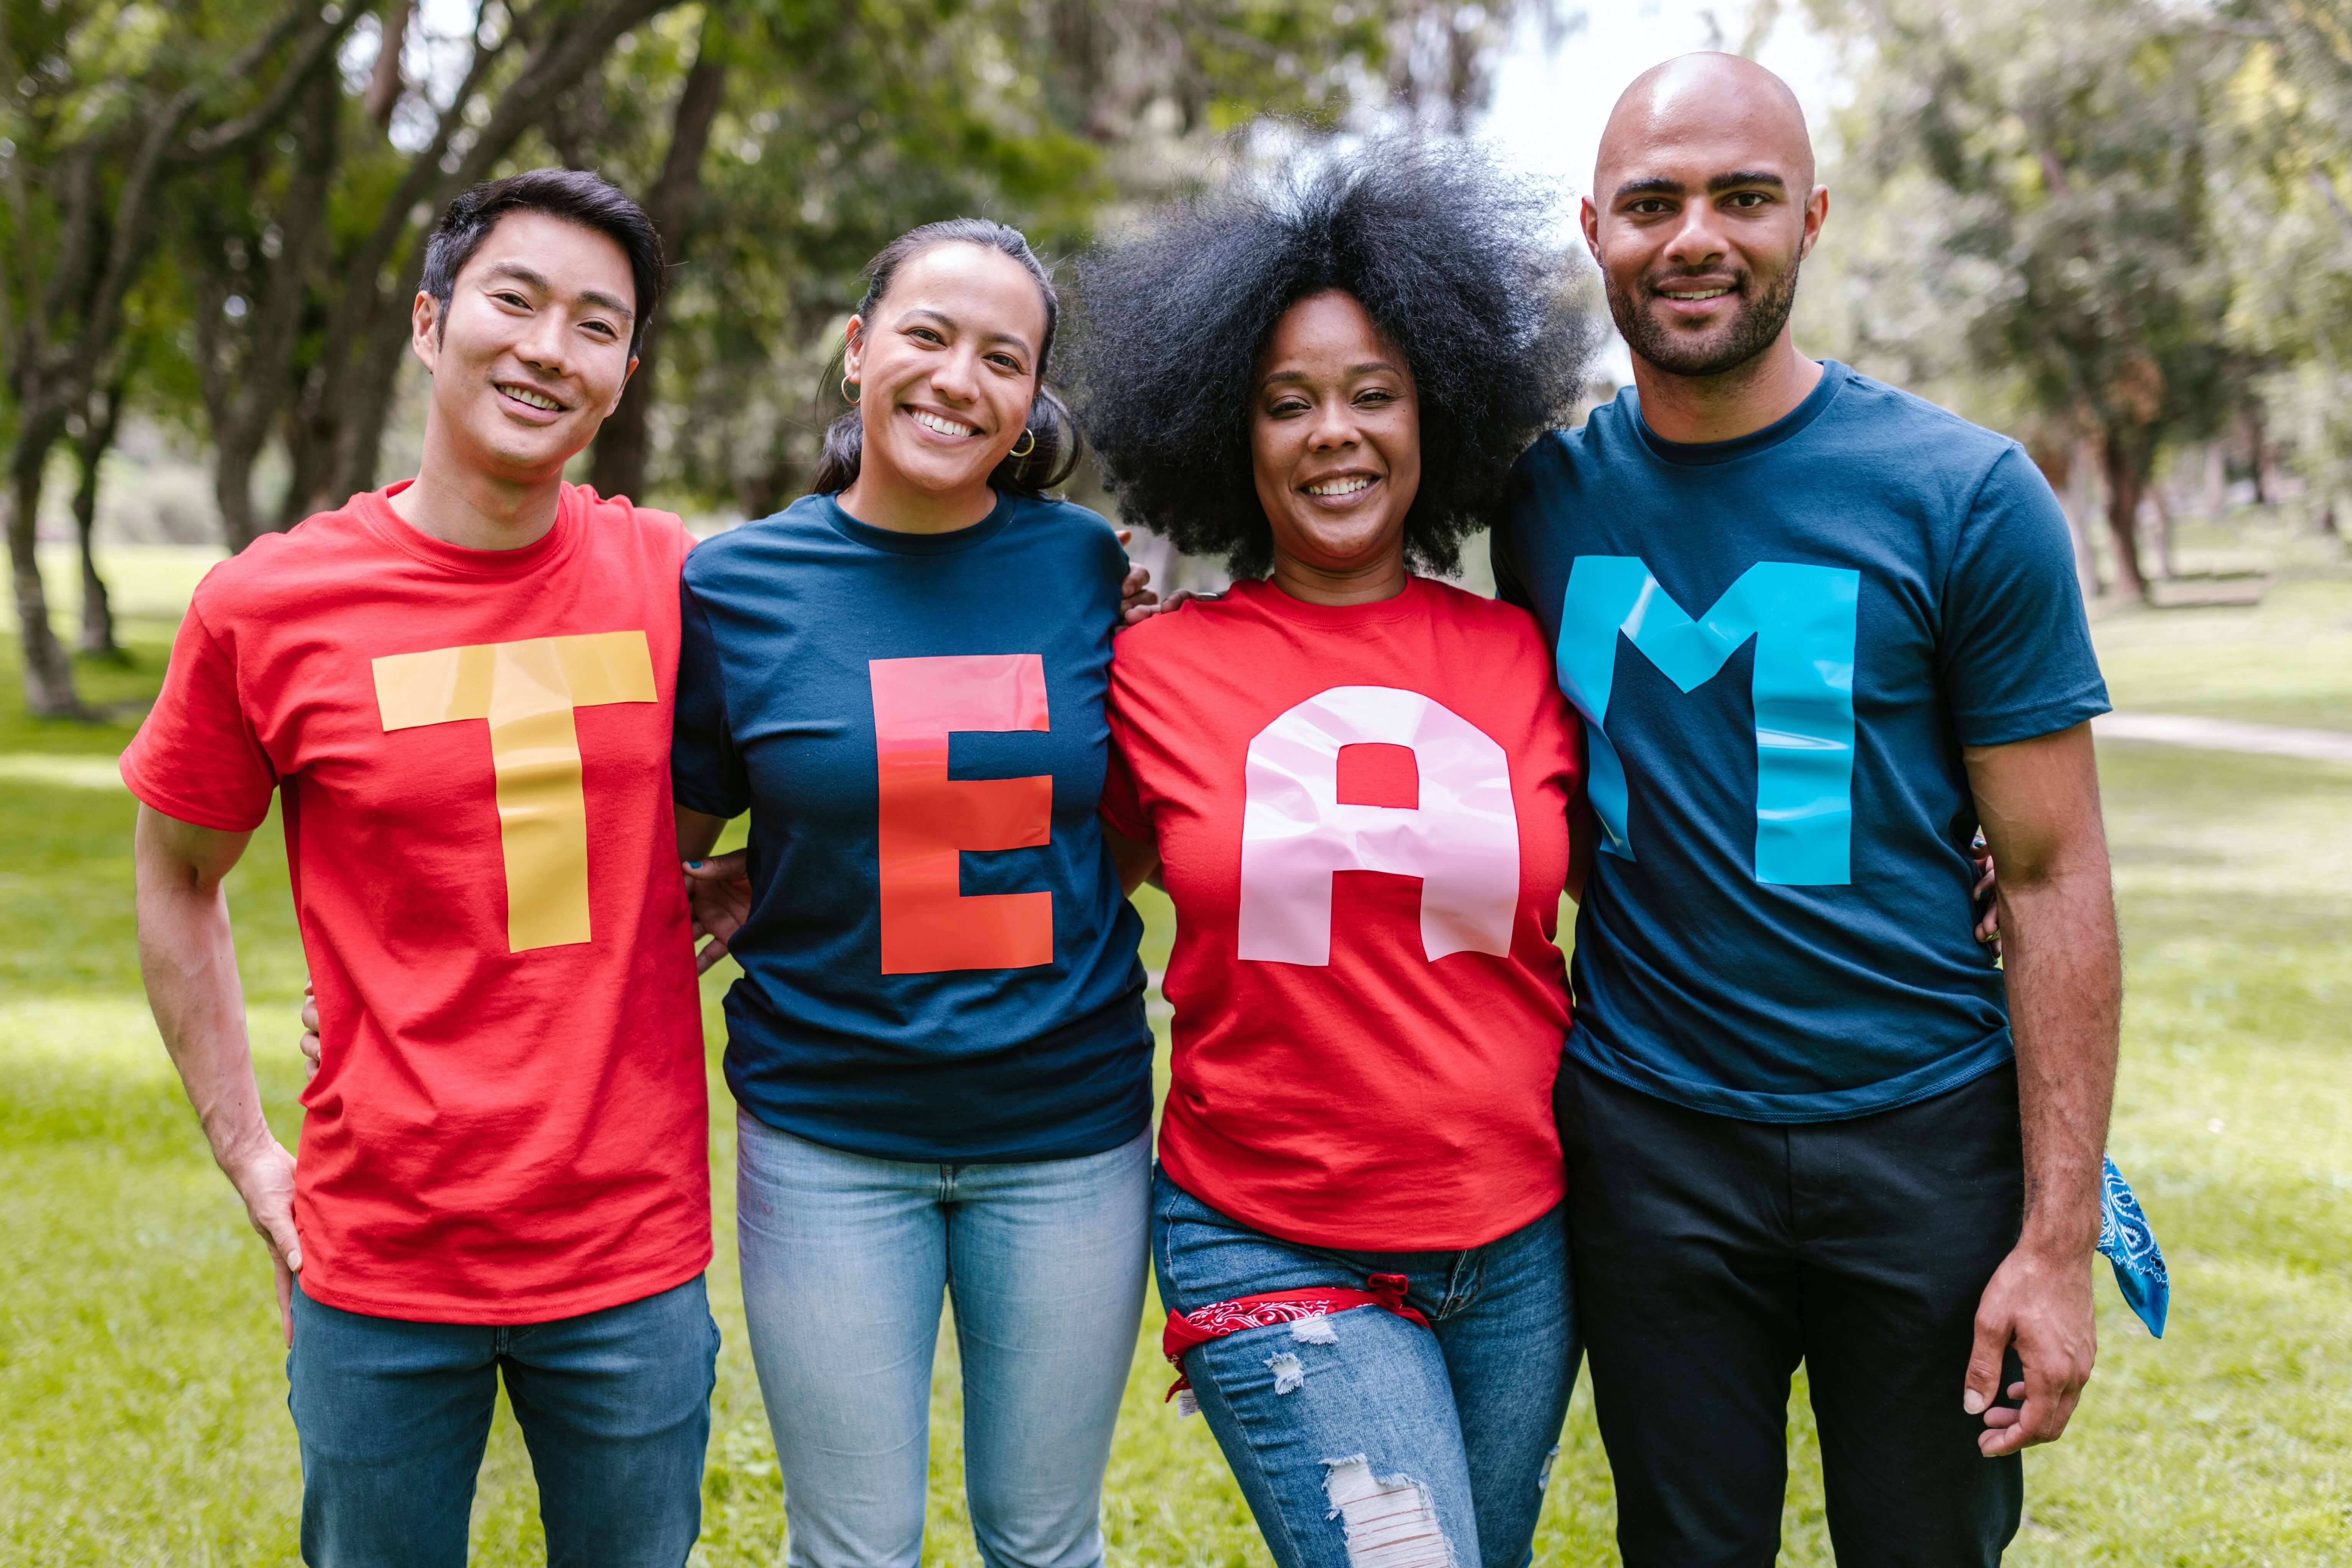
2288 119
2060 154
517 65
254 237
847 124
618 463
104 106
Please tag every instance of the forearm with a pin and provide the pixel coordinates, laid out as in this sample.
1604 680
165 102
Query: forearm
2064 972
1135 863
188 959
697 832
1583 833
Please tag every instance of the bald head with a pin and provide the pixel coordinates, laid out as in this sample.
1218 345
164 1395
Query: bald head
1702 212
1716 101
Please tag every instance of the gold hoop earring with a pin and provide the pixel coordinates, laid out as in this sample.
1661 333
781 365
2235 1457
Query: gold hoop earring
1019 451
850 391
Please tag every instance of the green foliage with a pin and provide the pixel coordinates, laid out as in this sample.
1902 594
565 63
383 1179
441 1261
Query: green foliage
2065 147
848 121
2288 113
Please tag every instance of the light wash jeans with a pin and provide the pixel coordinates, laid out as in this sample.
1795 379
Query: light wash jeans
1364 1440
615 1407
845 1260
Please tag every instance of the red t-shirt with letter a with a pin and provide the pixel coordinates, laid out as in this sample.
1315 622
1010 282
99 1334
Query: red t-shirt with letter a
509 1121
1361 814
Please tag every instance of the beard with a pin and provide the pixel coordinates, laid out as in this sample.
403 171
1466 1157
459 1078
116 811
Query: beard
1721 348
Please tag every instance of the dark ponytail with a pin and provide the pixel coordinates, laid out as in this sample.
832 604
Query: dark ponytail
1051 427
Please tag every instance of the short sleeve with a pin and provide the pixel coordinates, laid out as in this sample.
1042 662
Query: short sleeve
2015 655
1510 586
1122 797
706 771
197 758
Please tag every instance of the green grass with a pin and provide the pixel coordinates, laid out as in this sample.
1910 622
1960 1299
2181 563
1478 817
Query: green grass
142 1395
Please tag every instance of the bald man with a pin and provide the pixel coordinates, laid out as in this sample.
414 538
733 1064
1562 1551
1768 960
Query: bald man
1819 631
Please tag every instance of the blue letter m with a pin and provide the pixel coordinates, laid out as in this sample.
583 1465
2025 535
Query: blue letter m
1802 618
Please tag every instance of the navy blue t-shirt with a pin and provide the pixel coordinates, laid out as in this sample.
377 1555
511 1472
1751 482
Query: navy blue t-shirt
939 964
1779 645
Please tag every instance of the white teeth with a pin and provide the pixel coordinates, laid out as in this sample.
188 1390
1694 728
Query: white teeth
944 426
1347 487
535 399
1700 294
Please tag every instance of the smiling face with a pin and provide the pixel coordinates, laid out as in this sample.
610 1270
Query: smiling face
1335 438
1703 207
532 350
946 368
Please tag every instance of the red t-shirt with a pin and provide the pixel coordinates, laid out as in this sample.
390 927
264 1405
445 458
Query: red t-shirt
509 1124
1361 814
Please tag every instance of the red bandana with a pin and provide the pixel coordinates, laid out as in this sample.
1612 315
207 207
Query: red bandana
1218 1318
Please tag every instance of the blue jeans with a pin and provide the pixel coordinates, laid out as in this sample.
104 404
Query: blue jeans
392 1415
846 1258
1364 1440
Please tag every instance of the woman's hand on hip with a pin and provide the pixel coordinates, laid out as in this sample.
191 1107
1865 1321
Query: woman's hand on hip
718 898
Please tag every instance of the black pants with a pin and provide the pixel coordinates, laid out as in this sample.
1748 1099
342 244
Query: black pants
1712 1255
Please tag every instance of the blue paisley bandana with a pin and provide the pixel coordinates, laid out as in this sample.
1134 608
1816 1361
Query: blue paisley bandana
2129 1245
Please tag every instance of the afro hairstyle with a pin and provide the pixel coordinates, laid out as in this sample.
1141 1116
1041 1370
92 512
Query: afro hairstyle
1454 260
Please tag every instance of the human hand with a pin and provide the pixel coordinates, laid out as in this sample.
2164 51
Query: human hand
310 1015
1987 894
263 1174
719 897
1137 602
2038 1300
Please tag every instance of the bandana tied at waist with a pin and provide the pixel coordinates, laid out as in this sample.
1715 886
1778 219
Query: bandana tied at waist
1215 1320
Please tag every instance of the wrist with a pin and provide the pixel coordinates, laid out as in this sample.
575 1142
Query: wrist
245 1150
2061 1239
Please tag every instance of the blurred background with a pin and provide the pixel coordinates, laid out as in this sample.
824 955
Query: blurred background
2119 230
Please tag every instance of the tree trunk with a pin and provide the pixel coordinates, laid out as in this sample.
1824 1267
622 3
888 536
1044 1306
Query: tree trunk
385 83
617 466
89 454
247 376
77 318
2258 443
48 673
2124 482
2080 468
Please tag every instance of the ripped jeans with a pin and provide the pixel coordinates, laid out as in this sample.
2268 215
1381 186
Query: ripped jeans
1363 1440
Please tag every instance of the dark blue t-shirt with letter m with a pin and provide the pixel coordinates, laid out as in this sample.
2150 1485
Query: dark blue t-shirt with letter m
938 963
1779 645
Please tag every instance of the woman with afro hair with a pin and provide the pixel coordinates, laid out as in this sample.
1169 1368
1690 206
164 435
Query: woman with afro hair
1355 1220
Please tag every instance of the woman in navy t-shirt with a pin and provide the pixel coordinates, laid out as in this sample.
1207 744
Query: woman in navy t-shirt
937 1042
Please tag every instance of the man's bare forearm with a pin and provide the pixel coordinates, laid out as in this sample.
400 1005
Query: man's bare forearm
2065 994
187 955
2038 801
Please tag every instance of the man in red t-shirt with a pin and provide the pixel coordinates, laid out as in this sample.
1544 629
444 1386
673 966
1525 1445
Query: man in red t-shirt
463 685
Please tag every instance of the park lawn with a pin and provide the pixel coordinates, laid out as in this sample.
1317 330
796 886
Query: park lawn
141 1414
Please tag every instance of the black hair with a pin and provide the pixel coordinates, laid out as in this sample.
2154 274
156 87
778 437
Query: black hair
576 196
1457 262
1053 434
